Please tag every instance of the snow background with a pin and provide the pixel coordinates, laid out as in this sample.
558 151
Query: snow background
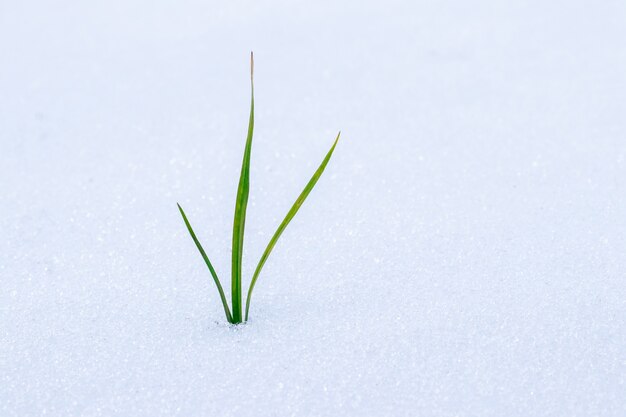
462 255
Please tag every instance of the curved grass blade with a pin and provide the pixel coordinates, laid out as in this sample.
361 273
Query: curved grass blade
290 215
240 210
208 263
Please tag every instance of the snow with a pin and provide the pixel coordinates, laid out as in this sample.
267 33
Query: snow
463 254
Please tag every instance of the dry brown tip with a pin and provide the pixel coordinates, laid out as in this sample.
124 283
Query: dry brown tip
251 65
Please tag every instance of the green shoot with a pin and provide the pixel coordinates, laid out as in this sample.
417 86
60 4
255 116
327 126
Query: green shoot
240 210
240 221
208 263
290 215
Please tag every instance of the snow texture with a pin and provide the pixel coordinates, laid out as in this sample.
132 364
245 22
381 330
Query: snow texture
463 254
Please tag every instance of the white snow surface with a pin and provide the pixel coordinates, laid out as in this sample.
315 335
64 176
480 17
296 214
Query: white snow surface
464 253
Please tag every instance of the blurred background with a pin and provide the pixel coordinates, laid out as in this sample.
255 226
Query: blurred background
463 254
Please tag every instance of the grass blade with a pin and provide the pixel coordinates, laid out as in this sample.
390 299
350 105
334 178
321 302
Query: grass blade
290 215
208 263
240 210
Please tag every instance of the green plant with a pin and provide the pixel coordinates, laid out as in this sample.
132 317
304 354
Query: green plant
240 220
